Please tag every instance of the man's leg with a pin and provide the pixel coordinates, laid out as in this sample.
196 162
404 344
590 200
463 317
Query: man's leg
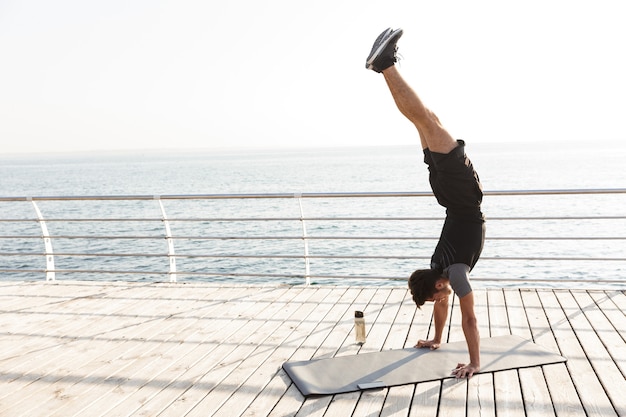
432 134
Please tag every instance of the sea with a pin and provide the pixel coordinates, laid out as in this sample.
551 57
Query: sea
558 165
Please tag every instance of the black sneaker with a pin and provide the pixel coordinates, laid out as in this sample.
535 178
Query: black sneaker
383 54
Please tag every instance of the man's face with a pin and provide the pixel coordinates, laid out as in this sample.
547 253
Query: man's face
443 290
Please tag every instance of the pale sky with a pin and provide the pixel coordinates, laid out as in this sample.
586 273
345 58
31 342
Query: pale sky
151 74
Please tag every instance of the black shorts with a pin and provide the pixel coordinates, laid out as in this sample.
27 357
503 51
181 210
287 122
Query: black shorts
457 187
461 242
454 182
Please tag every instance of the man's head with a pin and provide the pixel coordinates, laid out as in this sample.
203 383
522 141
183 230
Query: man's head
428 285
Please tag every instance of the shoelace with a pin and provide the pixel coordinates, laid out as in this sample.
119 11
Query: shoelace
397 56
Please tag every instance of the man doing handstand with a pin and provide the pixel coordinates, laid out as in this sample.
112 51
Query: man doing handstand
457 187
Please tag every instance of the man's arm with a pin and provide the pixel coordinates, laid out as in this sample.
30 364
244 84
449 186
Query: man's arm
440 313
472 337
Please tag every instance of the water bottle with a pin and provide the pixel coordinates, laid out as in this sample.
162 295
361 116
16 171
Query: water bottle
359 326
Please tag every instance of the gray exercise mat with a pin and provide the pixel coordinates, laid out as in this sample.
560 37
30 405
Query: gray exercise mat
409 366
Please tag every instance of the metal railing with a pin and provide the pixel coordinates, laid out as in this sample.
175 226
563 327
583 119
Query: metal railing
324 236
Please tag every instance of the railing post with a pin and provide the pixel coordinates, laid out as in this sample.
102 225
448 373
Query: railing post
47 242
307 266
170 242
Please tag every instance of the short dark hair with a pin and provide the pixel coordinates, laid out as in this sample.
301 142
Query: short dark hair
422 284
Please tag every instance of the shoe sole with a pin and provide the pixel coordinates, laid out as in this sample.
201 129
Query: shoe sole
380 48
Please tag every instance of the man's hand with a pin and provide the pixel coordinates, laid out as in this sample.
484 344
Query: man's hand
431 344
462 370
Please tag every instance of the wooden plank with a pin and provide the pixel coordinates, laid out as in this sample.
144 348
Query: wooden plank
289 399
22 296
280 386
32 367
108 376
224 324
304 322
619 298
388 334
256 368
153 334
611 329
399 336
143 350
50 318
288 404
27 324
480 390
398 399
604 365
426 395
563 395
344 404
236 351
453 399
516 313
498 317
426 399
159 391
590 391
508 392
141 373
399 311
381 315
535 392
422 326
608 302
341 341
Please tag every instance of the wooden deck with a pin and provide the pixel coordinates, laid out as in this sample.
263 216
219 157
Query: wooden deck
137 349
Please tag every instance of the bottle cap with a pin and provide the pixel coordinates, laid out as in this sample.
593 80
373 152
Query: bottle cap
358 314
